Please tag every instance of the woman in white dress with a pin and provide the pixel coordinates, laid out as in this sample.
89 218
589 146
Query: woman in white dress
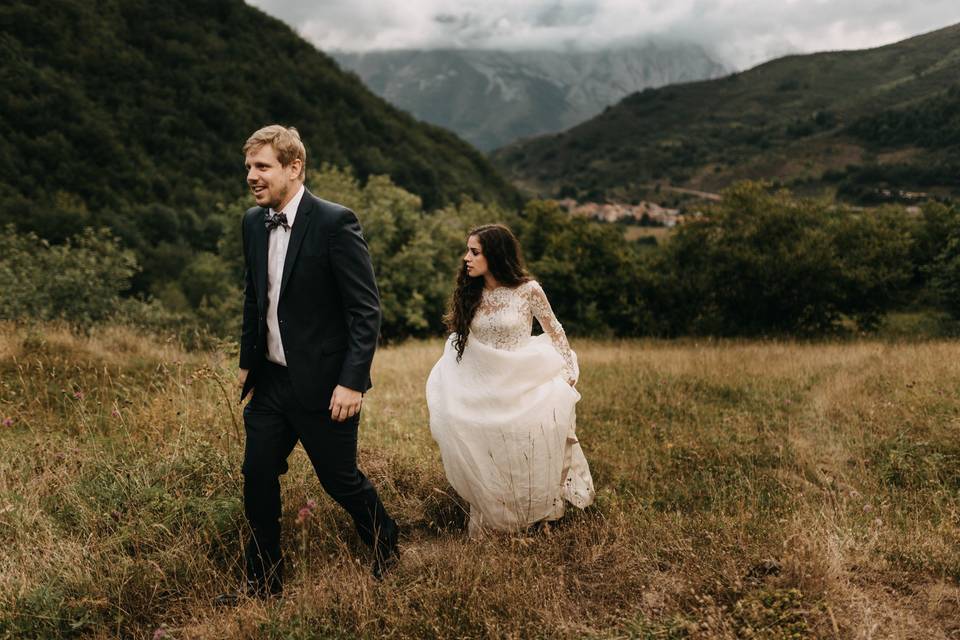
502 402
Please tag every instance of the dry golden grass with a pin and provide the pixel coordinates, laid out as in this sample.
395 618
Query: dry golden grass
765 490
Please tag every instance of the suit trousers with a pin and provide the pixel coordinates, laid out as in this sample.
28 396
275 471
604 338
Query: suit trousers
275 421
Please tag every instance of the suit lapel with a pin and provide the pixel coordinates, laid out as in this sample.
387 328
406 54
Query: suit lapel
297 233
261 241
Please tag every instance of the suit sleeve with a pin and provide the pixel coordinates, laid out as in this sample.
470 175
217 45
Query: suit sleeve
353 272
251 317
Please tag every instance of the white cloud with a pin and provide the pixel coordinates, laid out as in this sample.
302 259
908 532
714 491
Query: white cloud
741 32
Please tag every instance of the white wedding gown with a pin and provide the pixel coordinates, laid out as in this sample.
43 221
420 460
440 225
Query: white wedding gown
505 415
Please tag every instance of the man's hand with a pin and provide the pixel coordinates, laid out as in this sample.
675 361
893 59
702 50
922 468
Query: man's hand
345 403
242 381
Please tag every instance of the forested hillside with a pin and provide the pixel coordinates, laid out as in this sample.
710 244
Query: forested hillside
131 114
866 126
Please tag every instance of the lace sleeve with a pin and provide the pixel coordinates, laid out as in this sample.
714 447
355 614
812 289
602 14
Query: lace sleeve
542 311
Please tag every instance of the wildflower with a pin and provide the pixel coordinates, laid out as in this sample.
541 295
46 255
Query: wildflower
867 508
8 422
306 511
160 634
115 413
79 395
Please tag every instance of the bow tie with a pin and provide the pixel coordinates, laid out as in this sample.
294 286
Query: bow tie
272 221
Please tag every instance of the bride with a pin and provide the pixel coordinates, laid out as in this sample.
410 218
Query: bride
502 402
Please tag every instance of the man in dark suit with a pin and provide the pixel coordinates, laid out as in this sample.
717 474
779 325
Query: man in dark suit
311 317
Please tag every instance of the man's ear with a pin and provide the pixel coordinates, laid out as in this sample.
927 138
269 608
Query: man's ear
297 166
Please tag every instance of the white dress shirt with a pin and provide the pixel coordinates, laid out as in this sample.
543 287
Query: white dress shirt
276 256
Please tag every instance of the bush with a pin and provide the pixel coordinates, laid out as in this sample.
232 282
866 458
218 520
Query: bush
762 263
79 282
596 281
415 253
946 276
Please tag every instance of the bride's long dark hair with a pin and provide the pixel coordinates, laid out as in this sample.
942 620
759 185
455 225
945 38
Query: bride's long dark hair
505 262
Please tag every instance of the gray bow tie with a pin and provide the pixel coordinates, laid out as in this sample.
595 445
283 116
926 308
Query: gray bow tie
275 220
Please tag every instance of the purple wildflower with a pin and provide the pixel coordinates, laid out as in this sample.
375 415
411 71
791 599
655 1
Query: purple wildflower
303 515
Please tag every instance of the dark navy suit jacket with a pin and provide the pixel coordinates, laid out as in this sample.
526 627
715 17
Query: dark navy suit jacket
329 308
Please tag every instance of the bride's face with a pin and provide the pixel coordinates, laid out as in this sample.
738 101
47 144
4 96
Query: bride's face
473 258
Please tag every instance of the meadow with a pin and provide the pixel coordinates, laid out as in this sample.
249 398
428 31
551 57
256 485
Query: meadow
753 489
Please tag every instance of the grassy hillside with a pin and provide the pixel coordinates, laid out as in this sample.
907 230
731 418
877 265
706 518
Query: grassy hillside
109 107
793 119
770 490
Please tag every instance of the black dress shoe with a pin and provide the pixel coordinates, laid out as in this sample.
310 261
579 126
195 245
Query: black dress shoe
384 560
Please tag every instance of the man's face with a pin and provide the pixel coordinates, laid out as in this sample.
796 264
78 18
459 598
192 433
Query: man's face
269 181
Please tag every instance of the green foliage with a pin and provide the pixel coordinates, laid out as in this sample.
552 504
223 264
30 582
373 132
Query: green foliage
872 184
937 256
596 282
415 253
762 263
48 611
931 232
946 275
932 122
758 263
79 282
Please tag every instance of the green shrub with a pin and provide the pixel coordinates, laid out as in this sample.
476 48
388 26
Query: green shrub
761 263
79 282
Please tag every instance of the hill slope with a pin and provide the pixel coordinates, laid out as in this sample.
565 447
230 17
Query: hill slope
812 120
111 105
492 98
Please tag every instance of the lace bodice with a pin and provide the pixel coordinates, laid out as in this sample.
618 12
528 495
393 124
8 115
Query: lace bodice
504 320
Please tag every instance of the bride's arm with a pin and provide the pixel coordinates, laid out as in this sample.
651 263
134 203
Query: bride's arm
542 311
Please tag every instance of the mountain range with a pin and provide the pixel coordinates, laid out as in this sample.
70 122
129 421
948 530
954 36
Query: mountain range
869 126
491 98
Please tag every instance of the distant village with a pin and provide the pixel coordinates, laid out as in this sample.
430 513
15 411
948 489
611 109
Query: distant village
643 213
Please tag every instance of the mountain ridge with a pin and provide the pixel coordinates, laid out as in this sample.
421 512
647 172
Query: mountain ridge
491 97
794 120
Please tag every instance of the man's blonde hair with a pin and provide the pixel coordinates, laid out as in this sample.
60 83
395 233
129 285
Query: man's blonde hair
286 143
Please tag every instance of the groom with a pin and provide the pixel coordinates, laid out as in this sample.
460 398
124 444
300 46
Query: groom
311 317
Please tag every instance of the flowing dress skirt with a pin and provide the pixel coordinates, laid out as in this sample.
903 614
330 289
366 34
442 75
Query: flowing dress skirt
505 422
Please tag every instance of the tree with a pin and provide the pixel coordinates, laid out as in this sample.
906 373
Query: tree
767 263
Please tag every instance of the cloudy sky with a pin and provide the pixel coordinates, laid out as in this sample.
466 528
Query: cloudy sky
739 32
